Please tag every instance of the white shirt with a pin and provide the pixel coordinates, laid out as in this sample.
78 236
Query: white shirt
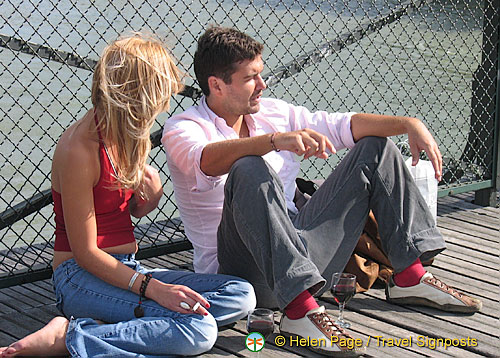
200 197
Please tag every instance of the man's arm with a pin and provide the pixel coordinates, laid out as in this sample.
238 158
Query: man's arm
419 137
217 158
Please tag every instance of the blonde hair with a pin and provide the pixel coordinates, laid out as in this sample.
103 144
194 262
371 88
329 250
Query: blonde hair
133 82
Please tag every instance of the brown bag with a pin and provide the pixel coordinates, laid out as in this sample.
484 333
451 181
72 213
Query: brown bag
368 261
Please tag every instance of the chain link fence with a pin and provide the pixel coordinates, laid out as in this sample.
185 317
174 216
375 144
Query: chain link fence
435 60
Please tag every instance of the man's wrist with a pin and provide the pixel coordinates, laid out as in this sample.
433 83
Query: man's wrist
273 142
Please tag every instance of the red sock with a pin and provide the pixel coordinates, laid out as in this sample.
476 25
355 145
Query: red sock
410 276
302 304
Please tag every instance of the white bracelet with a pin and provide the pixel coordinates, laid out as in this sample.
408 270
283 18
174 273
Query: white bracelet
132 280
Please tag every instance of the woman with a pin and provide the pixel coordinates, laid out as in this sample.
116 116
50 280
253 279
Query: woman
100 177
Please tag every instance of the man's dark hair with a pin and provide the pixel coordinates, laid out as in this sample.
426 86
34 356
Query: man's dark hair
219 50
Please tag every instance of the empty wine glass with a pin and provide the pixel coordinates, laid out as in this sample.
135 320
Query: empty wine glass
260 320
343 289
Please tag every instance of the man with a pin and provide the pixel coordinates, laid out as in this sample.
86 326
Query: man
233 162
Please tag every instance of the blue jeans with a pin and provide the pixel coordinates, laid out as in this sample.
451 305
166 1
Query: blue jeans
283 254
84 298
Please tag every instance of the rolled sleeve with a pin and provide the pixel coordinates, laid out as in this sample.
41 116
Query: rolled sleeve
184 142
336 126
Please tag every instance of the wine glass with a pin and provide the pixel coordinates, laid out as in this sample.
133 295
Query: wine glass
343 289
261 320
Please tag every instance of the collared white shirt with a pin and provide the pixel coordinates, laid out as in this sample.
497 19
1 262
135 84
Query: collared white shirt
200 197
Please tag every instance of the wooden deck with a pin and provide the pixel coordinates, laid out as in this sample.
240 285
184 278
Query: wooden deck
471 263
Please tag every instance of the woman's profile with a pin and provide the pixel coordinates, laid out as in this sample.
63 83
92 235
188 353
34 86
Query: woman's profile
111 305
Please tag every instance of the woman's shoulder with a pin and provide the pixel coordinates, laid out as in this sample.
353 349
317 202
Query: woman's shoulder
77 149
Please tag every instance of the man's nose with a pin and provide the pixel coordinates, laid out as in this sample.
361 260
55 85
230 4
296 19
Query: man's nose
261 84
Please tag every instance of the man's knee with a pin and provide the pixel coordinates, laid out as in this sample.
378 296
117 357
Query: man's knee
248 165
250 171
377 145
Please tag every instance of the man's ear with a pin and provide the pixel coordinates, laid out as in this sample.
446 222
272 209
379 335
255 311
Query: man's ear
215 85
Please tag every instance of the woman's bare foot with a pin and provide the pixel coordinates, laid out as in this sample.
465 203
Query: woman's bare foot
49 340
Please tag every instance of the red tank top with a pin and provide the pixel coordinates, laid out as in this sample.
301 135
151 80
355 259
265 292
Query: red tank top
114 225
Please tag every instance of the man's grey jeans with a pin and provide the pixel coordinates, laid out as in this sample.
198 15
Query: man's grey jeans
283 254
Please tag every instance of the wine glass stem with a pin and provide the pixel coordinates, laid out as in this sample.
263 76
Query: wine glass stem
341 311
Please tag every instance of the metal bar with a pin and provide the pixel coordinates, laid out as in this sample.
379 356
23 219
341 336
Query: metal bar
344 40
496 149
47 53
465 188
67 58
45 273
484 106
44 198
26 277
25 208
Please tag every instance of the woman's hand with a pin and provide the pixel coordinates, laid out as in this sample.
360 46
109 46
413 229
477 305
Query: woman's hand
153 191
171 297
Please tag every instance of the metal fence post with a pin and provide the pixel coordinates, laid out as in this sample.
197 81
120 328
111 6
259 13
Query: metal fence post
484 91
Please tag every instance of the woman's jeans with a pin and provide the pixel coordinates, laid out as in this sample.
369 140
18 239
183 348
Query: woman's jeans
284 254
85 298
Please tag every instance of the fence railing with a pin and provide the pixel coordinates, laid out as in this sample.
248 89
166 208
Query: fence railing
436 60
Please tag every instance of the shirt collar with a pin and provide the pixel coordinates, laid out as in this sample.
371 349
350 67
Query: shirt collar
211 115
214 118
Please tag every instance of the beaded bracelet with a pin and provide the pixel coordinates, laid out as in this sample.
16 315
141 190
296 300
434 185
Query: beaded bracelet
273 136
138 311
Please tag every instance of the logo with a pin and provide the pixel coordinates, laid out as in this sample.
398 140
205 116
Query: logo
254 342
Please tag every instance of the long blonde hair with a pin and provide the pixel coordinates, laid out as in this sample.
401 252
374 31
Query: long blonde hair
133 82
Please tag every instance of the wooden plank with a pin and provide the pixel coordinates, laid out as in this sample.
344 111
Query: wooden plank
17 301
19 328
464 205
480 322
45 286
465 254
487 275
216 352
43 314
6 339
41 292
465 202
472 217
4 303
467 228
372 328
421 324
471 242
38 299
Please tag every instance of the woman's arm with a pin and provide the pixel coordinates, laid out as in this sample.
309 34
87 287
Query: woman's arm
140 207
76 175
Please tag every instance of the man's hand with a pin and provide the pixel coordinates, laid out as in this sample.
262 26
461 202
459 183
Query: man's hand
421 139
305 142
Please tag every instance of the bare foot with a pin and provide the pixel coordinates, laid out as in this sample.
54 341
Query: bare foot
47 341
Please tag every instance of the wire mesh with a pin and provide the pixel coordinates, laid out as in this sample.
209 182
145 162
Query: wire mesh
435 60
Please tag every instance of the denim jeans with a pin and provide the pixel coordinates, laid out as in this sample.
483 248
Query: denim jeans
282 254
84 298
